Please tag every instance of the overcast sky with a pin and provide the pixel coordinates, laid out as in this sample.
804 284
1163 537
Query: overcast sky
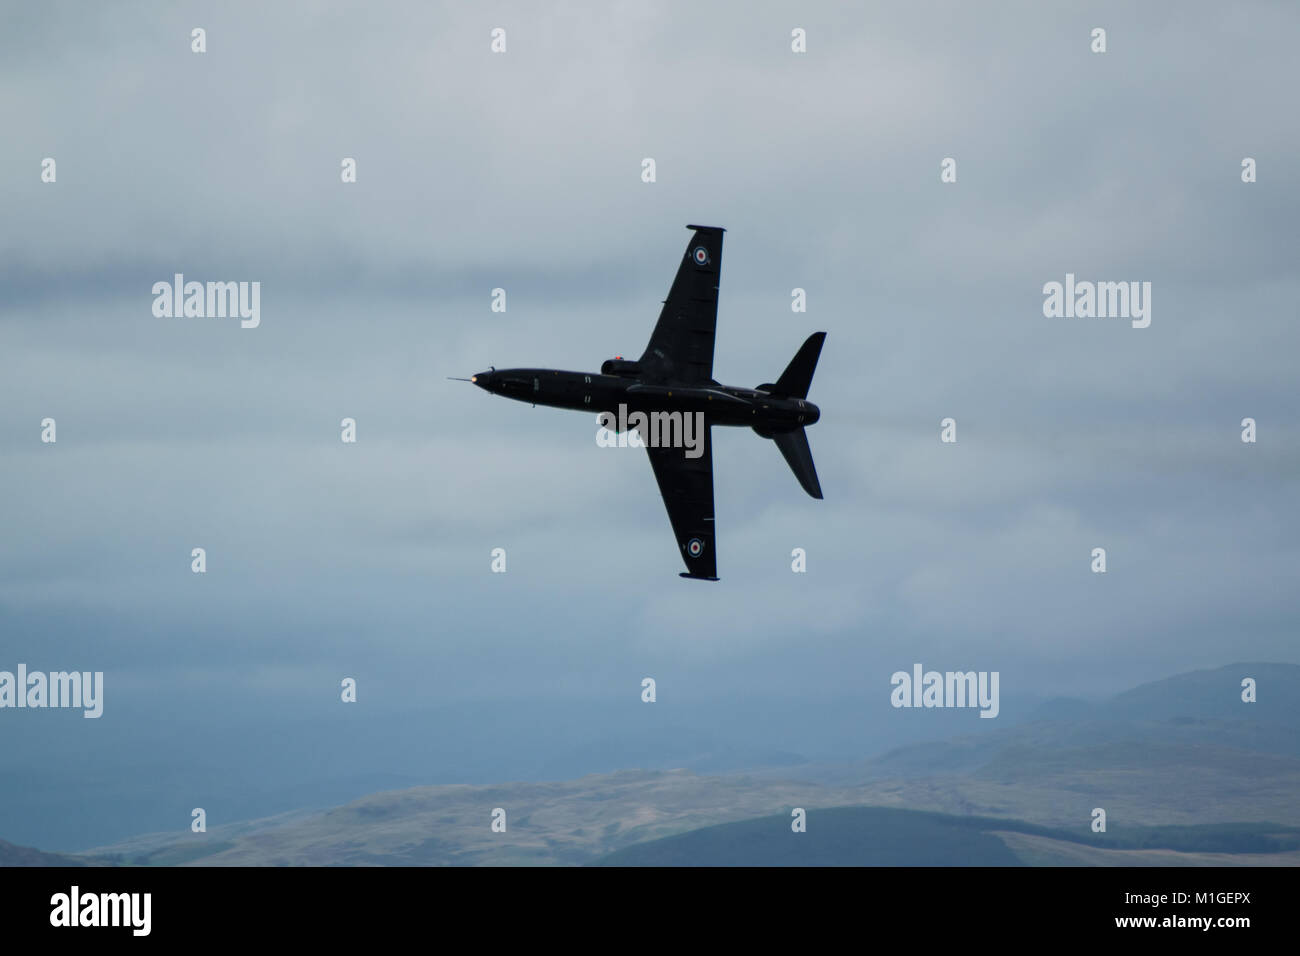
522 171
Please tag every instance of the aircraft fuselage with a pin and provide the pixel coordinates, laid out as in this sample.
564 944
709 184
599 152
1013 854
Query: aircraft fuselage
595 392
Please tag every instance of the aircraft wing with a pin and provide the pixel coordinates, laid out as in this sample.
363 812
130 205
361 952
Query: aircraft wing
681 346
686 485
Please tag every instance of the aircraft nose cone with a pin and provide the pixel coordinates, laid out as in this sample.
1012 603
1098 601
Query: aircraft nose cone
482 380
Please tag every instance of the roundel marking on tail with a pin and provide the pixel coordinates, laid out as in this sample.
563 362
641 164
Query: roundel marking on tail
701 256
695 547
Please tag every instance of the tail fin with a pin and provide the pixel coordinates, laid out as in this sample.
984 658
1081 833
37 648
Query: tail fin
794 446
796 378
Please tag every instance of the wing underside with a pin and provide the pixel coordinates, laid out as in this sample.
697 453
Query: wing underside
686 485
681 346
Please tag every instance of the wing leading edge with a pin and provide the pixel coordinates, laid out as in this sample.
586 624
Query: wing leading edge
681 346
686 485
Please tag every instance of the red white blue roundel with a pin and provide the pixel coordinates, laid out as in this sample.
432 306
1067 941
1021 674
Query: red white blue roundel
701 256
695 547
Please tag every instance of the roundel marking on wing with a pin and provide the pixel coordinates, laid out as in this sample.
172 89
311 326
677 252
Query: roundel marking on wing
695 547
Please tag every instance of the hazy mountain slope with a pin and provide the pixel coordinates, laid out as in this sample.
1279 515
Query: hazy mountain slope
1177 715
857 836
1042 851
171 848
1157 755
579 821
875 836
14 855
547 823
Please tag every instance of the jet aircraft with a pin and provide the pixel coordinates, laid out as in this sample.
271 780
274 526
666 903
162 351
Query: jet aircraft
675 375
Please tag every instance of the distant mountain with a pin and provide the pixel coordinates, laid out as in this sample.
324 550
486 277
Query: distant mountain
1184 752
878 836
14 855
569 822
1216 695
841 836
1164 720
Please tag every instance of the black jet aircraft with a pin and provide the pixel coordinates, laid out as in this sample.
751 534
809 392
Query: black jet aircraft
675 375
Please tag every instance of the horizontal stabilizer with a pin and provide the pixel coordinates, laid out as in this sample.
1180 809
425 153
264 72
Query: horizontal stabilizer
794 446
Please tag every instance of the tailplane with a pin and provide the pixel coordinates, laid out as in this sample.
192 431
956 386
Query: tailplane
794 446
